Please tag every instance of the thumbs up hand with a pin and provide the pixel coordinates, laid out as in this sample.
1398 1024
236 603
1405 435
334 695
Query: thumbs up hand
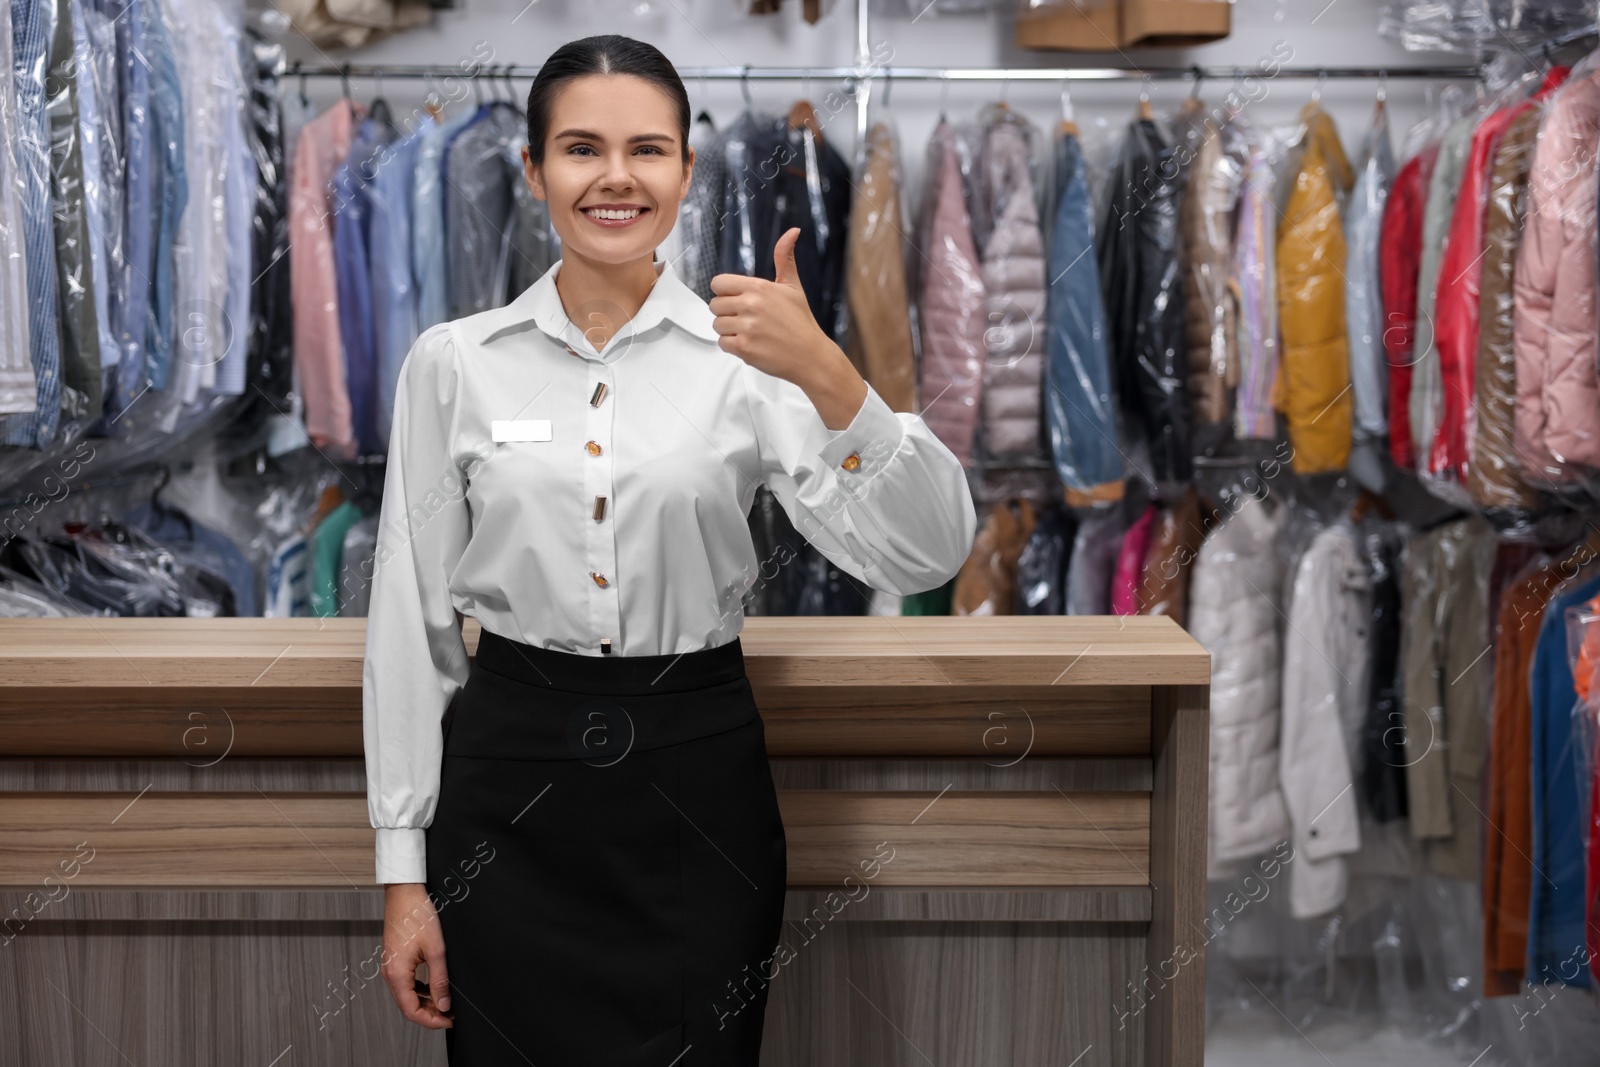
769 325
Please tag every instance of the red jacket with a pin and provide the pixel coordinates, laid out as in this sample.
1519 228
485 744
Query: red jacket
1399 261
1456 305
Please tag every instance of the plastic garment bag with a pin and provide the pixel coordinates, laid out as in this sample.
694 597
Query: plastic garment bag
1557 434
1136 247
1042 567
1383 771
1078 404
987 584
1094 561
1206 224
1174 540
70 210
876 288
1444 458
951 301
1013 273
1364 300
1494 478
18 385
1253 276
698 231
1234 597
271 327
1469 25
1314 375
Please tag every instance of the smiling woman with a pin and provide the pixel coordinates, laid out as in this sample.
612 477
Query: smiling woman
575 470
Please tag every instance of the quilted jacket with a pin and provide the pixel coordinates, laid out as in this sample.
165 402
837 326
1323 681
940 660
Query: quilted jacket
1314 380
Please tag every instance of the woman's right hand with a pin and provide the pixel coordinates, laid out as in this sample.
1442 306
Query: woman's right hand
411 935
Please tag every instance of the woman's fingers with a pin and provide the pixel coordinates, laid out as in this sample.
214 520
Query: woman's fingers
438 977
411 935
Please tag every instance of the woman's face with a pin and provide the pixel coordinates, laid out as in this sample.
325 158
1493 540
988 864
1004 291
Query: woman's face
612 143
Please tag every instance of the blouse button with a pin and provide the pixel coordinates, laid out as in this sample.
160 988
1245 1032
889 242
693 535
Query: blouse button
599 579
851 462
594 449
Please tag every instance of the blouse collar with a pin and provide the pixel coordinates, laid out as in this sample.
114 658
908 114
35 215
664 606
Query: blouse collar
540 304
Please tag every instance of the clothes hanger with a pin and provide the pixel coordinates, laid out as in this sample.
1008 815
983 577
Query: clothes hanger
305 101
744 90
1068 123
944 95
803 114
1367 502
1145 112
378 110
344 80
1192 102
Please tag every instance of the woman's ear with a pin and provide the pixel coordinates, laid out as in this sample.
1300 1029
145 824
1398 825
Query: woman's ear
533 175
688 175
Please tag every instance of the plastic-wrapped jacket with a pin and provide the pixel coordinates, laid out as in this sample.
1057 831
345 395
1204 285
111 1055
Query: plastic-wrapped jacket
1383 774
952 304
1174 540
1424 401
1558 393
987 583
270 373
1494 477
1445 679
1235 592
1137 251
1205 222
1400 259
811 191
1254 277
1094 562
1078 404
876 288
1363 296
1456 304
1314 380
1130 563
1042 567
69 208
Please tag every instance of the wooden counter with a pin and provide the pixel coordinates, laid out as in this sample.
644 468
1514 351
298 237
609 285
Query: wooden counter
1041 780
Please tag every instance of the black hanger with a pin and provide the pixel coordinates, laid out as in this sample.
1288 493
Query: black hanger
305 100
344 80
379 110
163 510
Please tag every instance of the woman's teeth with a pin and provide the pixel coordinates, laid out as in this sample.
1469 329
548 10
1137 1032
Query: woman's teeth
606 213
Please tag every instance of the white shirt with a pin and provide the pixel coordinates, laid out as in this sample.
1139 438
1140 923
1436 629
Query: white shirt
506 531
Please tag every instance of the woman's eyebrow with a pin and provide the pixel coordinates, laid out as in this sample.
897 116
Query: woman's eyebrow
638 138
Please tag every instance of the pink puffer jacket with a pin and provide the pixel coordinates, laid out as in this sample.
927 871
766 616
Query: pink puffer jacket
1554 332
1013 277
952 303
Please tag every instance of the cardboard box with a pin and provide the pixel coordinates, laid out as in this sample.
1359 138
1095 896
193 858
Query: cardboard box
1112 25
1071 25
1174 23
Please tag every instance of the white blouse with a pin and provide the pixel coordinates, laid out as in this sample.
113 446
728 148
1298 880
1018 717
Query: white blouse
597 502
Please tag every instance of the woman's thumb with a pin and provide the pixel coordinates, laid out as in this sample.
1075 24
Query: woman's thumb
785 271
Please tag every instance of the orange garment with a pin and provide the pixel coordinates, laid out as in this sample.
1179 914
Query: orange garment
1313 384
1508 844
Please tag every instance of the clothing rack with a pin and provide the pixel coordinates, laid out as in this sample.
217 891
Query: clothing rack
863 75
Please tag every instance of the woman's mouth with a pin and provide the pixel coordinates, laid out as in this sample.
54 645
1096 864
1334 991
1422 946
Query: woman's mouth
614 217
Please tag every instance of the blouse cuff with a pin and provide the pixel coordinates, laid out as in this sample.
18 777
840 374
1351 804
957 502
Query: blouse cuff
402 854
873 437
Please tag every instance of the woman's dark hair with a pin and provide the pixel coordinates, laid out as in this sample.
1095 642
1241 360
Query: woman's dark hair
607 53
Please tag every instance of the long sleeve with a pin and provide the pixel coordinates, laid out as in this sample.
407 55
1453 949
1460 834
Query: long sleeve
903 521
416 659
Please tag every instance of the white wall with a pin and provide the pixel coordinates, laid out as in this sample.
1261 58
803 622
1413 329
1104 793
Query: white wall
716 33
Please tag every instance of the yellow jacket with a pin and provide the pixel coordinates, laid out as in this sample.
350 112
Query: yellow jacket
1313 384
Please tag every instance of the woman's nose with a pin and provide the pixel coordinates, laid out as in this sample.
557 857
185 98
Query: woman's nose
619 174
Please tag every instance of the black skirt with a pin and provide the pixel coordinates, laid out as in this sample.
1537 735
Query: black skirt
607 860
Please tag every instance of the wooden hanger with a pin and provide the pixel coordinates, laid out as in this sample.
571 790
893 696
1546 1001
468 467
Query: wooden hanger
803 114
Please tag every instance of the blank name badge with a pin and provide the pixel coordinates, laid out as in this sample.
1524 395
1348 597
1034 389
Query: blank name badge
520 429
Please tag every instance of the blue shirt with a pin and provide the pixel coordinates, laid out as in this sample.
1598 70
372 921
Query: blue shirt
170 195
351 229
394 288
427 220
1556 927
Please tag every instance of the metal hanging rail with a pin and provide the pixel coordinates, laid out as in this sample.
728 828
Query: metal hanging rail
1046 74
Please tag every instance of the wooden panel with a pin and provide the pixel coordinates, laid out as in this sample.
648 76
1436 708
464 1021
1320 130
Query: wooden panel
1003 726
293 995
901 904
348 775
999 838
989 838
1174 1000
214 661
